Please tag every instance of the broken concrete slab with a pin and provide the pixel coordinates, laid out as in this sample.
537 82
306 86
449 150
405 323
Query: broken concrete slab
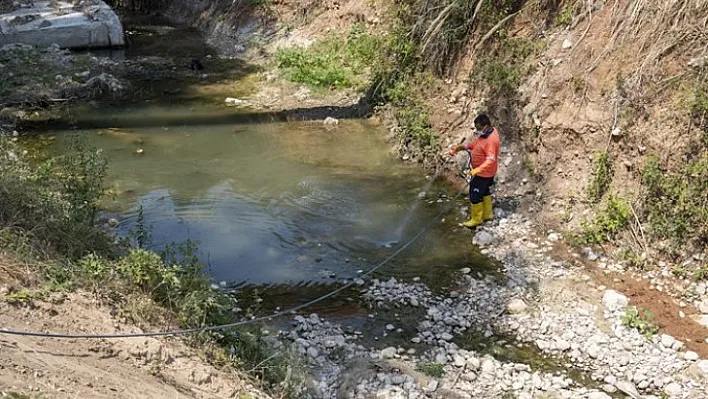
85 24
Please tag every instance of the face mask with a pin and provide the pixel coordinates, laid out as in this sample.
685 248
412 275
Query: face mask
480 132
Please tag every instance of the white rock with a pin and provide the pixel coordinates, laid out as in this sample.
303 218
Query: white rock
628 388
465 270
483 238
554 237
609 388
234 101
673 390
703 367
667 341
458 361
567 44
312 352
446 336
613 300
390 327
516 306
691 356
432 386
598 395
701 319
562 345
388 353
593 351
473 363
329 121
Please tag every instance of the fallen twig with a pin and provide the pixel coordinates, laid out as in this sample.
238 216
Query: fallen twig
641 230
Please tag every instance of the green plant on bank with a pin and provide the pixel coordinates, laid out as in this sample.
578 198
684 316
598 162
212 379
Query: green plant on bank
48 216
54 205
676 202
502 69
333 61
698 273
565 18
25 295
602 174
430 369
640 319
613 218
633 260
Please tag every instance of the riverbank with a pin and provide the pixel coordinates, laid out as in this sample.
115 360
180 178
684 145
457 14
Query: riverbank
116 368
584 338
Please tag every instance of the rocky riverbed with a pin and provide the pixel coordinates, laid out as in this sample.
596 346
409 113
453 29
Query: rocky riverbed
544 304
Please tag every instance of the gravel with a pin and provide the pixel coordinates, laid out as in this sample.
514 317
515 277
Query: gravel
588 332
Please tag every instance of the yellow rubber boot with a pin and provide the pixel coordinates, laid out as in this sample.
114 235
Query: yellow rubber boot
476 211
488 208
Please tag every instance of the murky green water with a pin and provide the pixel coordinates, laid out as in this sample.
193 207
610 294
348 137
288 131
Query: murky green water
272 203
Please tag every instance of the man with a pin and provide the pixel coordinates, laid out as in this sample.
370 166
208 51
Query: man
483 167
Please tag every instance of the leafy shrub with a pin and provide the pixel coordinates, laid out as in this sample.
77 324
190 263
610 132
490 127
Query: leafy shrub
613 218
416 126
54 204
676 203
642 320
565 18
602 175
436 370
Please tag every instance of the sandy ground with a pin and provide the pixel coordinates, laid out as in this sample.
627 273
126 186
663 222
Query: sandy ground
98 368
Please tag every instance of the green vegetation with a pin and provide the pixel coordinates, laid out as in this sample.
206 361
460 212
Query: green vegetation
698 106
506 64
436 370
53 206
609 221
602 175
642 320
565 18
676 203
333 62
48 217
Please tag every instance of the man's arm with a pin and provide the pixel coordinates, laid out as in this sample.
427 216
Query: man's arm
465 146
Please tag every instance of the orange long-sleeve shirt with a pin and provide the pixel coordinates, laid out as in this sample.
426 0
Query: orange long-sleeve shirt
485 153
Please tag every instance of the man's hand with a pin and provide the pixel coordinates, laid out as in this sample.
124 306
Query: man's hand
455 149
473 172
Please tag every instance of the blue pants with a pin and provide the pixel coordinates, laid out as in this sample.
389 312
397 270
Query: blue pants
479 188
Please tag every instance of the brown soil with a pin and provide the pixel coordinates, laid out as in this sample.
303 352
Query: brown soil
664 308
665 312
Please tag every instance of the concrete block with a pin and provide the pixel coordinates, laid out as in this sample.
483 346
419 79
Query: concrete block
89 24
